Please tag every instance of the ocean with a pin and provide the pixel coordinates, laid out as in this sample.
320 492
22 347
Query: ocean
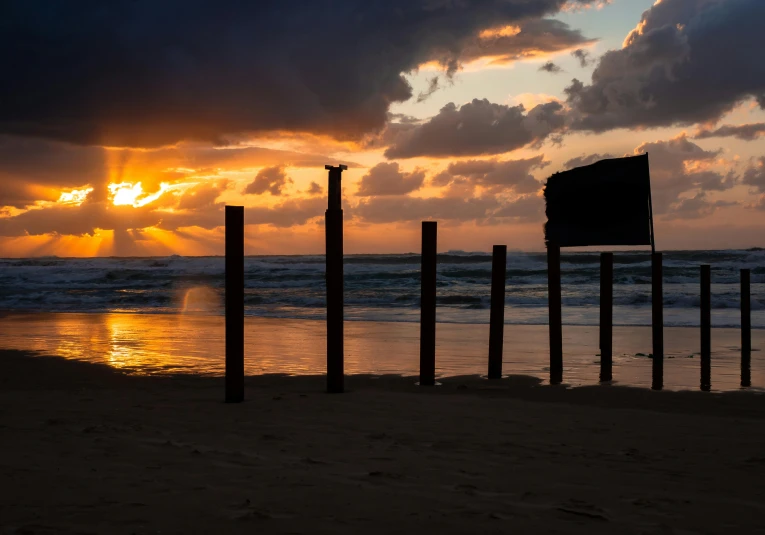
385 287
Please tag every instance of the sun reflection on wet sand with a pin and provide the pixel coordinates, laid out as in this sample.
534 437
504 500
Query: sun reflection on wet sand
193 343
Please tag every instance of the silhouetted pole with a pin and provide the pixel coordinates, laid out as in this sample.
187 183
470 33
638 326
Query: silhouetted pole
706 327
497 314
428 304
234 304
555 315
334 276
746 330
606 315
657 321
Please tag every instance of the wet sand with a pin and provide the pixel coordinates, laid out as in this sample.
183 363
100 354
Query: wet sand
87 449
177 343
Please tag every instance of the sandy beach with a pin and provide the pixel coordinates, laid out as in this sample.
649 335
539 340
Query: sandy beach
87 449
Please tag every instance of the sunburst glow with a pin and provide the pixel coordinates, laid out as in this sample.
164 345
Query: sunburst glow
128 194
75 197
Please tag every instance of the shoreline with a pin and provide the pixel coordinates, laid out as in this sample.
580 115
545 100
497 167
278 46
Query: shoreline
5 313
172 343
91 449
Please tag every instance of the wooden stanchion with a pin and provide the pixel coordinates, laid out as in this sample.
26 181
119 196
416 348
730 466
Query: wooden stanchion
657 321
497 314
334 279
428 304
706 328
606 315
234 304
554 313
746 330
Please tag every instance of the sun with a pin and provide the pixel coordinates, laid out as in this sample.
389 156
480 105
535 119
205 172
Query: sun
129 194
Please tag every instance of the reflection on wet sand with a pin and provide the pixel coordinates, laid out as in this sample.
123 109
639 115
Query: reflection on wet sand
192 343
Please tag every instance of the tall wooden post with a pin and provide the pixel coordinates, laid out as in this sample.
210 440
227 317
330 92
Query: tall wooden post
497 314
554 313
606 315
657 321
706 327
234 304
746 330
334 278
428 304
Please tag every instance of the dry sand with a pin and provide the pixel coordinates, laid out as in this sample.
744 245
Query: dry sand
85 449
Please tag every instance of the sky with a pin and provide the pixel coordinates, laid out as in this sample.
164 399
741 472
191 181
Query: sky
126 127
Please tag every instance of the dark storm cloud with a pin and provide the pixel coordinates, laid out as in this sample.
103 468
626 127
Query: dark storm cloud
269 179
388 179
476 128
550 67
746 132
147 73
688 61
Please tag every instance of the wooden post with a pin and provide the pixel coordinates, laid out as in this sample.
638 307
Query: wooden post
746 330
428 304
606 315
334 277
657 321
554 313
706 328
234 304
497 315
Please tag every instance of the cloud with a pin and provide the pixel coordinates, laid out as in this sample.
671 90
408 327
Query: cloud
746 132
696 207
682 174
755 175
477 128
202 196
287 214
32 169
551 67
144 74
388 179
580 161
405 208
269 179
686 62
497 175
433 86
584 57
314 189
39 170
532 38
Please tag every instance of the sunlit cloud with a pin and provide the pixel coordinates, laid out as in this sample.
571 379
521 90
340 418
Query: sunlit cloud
75 197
